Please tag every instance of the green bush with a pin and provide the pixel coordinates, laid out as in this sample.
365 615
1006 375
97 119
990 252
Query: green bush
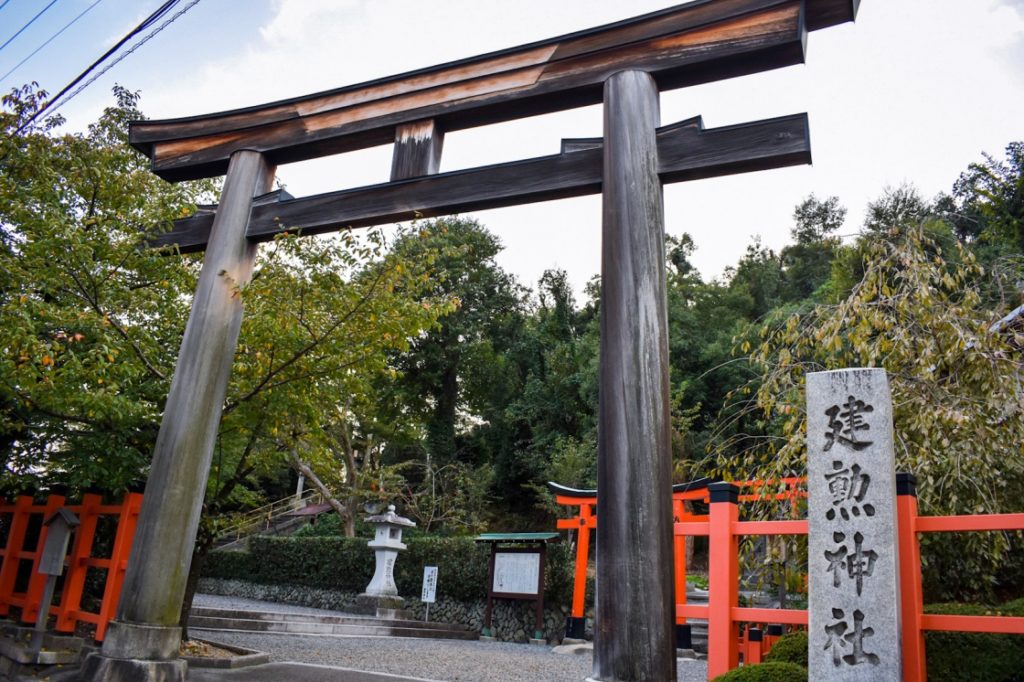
791 648
1013 608
766 672
347 564
970 656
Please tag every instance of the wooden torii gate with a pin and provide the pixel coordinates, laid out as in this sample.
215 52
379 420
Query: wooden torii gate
624 65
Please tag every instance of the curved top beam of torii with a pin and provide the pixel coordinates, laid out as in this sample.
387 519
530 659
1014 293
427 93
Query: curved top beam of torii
697 42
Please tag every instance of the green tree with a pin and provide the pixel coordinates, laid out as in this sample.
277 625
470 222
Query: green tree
552 413
93 320
449 371
955 380
989 200
808 261
90 319
901 205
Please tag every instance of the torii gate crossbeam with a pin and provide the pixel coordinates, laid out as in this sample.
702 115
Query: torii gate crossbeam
625 65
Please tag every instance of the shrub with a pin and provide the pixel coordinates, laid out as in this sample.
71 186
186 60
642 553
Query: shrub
347 564
766 672
791 648
1013 608
970 656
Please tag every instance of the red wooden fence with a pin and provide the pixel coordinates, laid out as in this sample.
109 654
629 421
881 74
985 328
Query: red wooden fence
585 521
69 610
723 528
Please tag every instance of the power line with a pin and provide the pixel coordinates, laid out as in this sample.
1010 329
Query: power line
51 39
146 23
30 22
134 47
4 4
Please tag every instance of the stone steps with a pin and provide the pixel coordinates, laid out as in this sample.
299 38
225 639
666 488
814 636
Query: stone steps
203 618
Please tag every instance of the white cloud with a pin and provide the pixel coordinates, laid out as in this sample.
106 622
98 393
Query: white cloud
914 90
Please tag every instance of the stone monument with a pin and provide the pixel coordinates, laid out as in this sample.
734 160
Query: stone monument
381 596
854 601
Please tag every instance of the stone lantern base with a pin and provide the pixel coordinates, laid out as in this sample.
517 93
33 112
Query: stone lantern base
390 608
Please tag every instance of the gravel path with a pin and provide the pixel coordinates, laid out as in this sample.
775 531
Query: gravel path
449 660
218 602
433 659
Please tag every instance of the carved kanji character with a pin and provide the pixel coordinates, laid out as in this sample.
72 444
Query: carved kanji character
848 485
856 638
845 422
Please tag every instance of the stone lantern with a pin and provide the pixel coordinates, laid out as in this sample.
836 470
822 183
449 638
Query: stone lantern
381 596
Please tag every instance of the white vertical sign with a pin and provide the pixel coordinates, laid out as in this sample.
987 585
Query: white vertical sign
429 588
429 584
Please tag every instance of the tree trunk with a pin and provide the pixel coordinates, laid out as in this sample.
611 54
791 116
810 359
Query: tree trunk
350 479
195 571
304 469
441 429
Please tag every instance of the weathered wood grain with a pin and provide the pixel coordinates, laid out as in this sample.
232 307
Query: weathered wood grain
693 43
417 150
686 151
634 637
165 538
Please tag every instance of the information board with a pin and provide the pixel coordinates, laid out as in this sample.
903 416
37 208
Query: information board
429 584
516 573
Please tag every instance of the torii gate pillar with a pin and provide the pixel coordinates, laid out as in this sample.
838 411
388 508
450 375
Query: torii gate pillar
633 635
142 642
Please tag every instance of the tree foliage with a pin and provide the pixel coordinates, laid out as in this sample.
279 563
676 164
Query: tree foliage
918 313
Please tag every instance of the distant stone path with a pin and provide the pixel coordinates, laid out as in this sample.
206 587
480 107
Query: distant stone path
447 660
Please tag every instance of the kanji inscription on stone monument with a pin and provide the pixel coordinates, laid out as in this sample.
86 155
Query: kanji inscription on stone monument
854 618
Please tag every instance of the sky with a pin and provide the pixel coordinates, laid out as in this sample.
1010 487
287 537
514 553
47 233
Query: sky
914 91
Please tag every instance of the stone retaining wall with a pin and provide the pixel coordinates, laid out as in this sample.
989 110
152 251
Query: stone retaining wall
511 620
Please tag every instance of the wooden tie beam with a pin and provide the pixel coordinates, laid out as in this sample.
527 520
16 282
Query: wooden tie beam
624 65
686 151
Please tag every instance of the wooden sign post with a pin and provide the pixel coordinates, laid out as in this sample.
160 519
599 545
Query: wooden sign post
624 65
51 564
516 571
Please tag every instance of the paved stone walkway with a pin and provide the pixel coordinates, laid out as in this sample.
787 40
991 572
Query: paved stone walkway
380 659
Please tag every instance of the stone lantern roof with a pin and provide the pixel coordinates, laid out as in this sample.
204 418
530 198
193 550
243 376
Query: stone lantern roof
391 518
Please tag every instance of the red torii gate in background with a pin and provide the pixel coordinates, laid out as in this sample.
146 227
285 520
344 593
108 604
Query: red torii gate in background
683 495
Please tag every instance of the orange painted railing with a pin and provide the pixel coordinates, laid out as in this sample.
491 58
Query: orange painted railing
915 621
724 614
723 527
585 521
79 560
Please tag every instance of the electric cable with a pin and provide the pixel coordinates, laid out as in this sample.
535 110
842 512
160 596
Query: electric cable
4 4
30 22
146 23
50 40
134 47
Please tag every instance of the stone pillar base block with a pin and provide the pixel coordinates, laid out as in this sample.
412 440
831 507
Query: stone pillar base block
684 636
389 608
100 668
575 628
141 641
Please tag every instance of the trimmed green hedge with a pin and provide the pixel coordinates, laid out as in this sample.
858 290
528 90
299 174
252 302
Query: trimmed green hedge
346 565
791 648
971 656
765 672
